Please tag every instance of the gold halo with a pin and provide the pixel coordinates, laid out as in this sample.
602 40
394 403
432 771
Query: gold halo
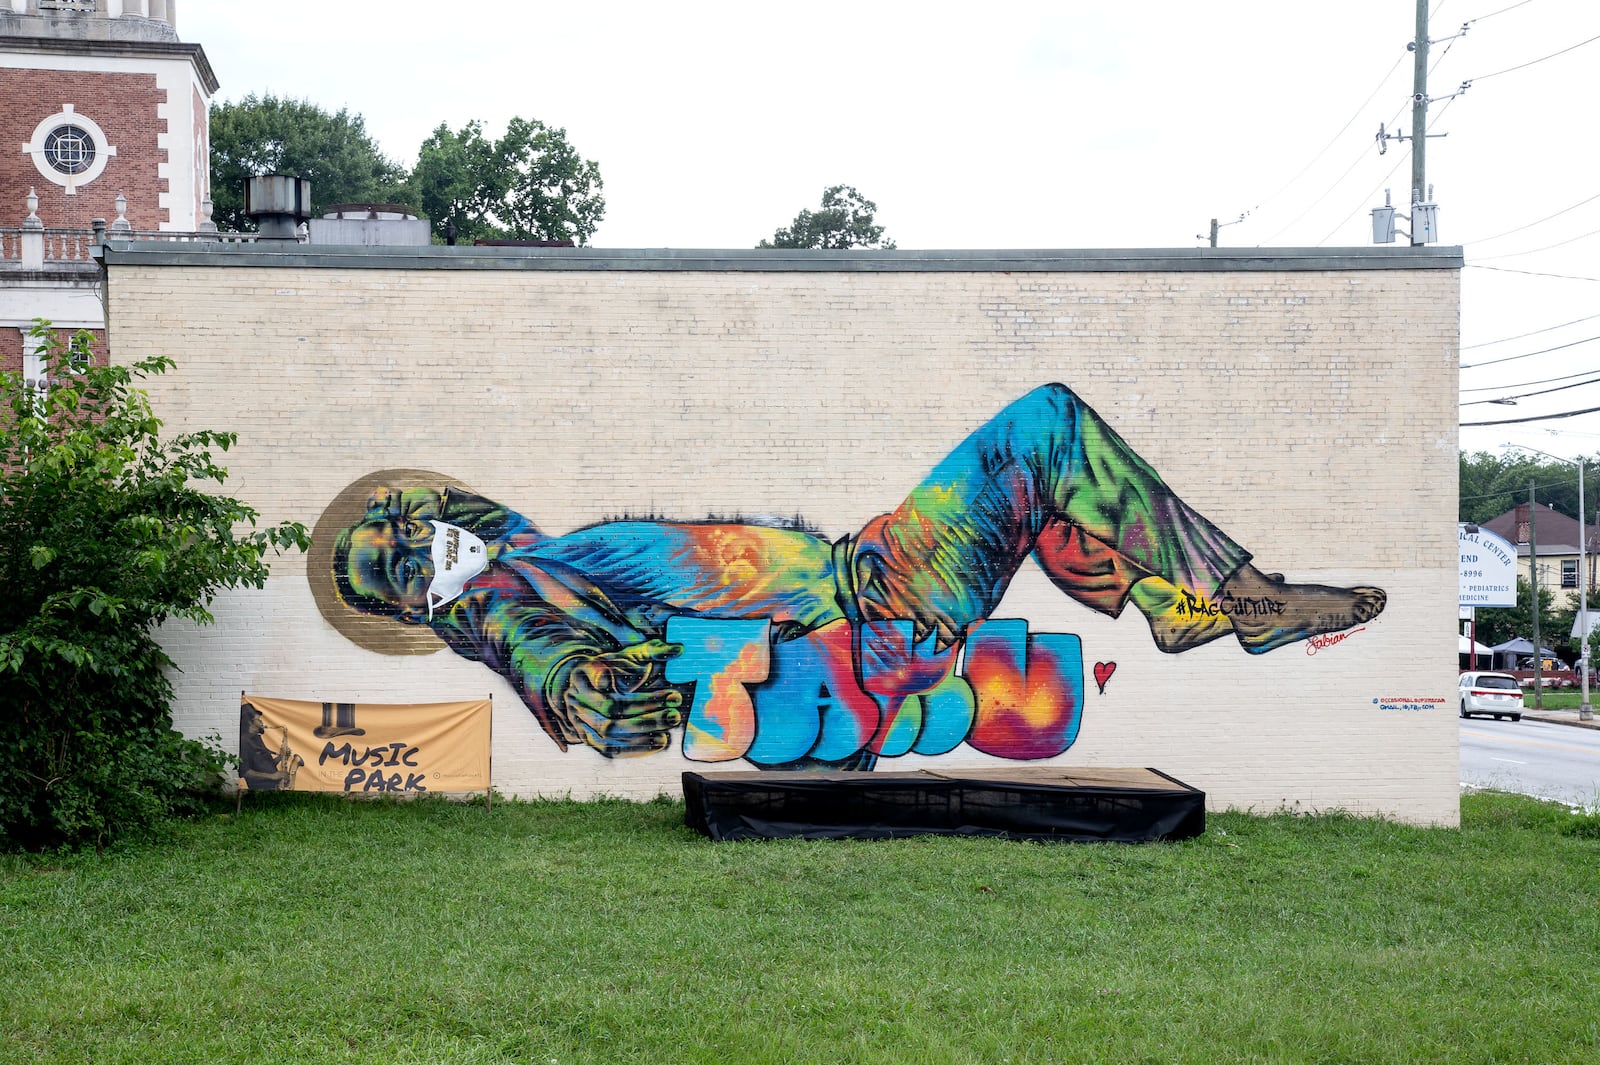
385 635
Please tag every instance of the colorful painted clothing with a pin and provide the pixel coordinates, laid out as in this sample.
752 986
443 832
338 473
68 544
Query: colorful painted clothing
1046 477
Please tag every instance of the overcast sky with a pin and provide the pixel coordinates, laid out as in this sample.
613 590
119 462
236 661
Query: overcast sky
1025 125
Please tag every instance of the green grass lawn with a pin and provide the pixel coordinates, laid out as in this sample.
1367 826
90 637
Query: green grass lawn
318 930
1558 698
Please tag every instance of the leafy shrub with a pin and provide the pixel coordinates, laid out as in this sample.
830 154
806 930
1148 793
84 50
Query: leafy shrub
104 534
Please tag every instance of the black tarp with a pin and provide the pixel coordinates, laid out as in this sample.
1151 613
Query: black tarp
1053 805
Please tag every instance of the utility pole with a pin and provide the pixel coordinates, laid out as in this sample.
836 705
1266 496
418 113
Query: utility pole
1585 710
1533 586
1215 225
1419 115
1424 216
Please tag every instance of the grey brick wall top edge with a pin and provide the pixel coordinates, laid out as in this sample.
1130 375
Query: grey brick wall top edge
1142 260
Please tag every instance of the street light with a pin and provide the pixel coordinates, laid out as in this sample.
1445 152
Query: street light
1585 712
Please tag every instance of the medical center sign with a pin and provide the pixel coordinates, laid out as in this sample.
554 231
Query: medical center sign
1488 568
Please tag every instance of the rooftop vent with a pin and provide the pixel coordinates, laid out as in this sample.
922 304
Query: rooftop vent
279 203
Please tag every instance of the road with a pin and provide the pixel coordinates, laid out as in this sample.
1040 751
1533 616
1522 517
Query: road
1532 758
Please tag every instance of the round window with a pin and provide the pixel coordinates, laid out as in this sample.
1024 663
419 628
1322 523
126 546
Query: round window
69 149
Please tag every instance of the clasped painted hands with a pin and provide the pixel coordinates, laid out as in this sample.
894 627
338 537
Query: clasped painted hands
620 701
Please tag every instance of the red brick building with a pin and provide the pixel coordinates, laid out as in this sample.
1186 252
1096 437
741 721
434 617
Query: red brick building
105 117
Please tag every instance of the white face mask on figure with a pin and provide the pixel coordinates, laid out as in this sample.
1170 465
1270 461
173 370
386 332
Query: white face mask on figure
458 556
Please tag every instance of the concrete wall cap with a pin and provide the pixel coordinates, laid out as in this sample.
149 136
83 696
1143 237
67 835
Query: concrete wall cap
1115 260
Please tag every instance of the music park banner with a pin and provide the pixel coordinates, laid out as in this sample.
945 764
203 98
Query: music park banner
366 748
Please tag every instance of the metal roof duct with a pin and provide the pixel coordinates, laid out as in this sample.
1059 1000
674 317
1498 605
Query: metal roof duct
279 203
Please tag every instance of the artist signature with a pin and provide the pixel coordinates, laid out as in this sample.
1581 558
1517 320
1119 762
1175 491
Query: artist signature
1326 640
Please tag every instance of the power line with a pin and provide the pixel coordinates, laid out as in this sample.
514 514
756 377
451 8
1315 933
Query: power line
1514 490
1530 225
1374 191
1535 418
1529 355
1403 159
1393 119
1530 273
1334 140
1335 185
1525 384
1371 96
1444 53
1525 395
1532 332
1535 62
1358 159
1547 247
1360 156
1502 11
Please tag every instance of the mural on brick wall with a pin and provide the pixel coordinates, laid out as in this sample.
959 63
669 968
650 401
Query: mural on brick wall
780 647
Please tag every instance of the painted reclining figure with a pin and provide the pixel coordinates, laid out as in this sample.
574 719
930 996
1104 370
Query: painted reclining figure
577 623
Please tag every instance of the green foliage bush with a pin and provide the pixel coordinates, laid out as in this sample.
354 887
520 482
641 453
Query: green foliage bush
105 533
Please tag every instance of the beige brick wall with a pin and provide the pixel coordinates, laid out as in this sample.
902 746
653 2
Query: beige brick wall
1309 413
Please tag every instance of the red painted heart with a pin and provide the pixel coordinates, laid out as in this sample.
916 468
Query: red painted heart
1102 673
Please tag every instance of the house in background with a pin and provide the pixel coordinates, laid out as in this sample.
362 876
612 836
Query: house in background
1556 538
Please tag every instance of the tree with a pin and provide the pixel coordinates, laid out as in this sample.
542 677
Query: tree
531 184
1496 625
452 168
268 135
845 221
107 530
1490 485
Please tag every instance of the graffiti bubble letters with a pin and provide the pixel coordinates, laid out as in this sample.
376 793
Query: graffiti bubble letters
377 759
726 655
1018 695
1323 642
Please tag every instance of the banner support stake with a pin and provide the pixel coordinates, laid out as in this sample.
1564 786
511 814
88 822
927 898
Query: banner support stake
238 780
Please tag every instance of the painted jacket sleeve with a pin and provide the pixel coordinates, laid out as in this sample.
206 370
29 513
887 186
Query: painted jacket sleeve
529 643
531 618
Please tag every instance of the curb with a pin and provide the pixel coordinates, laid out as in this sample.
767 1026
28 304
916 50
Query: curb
1560 717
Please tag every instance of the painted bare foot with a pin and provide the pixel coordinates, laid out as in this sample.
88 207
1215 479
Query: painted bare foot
1180 620
1268 612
